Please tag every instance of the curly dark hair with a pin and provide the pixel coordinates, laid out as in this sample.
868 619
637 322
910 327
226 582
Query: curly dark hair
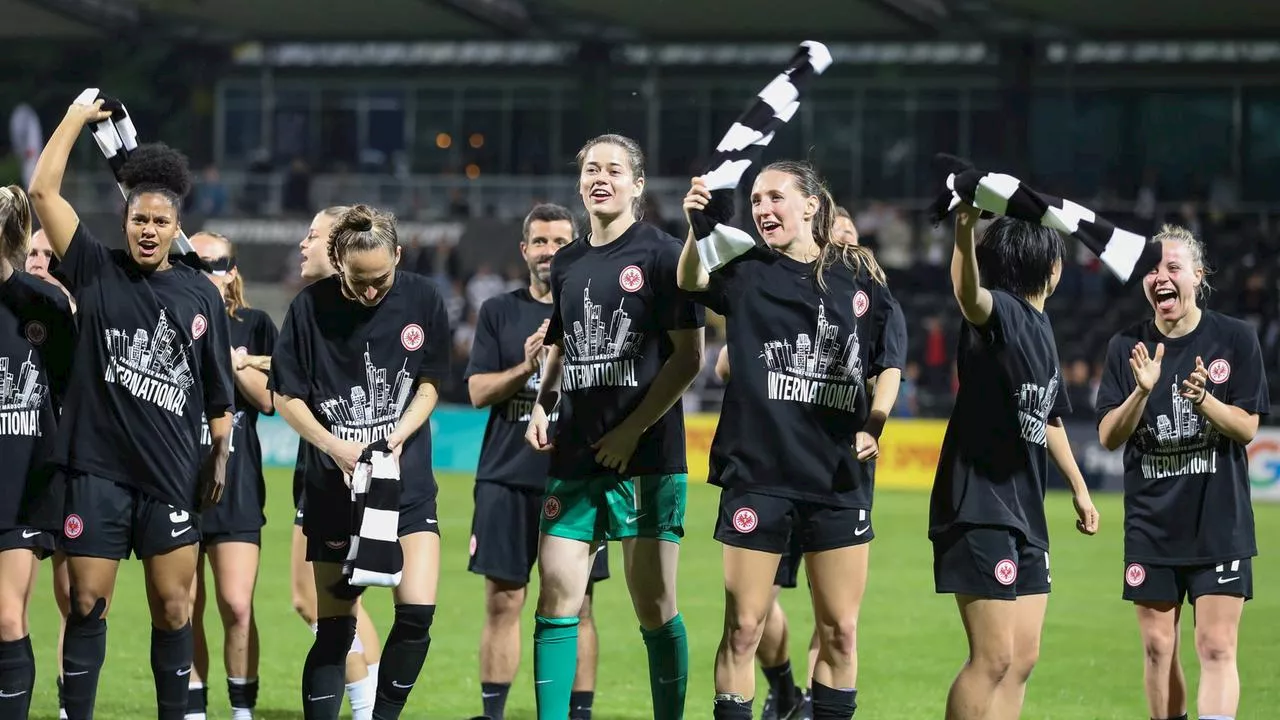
157 168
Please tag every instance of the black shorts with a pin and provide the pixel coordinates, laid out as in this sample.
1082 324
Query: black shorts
299 514
989 562
788 573
253 537
38 541
1172 583
108 520
328 529
505 533
781 525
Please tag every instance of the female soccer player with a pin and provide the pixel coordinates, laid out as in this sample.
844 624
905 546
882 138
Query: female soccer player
231 531
625 345
152 363
986 514
358 361
37 336
1185 409
797 427
503 374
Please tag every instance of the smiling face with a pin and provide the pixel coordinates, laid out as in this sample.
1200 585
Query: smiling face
608 182
315 249
1171 286
781 212
150 227
367 275
545 238
40 256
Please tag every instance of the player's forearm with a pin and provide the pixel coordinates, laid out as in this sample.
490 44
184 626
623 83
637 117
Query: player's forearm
966 283
488 389
220 433
1060 452
882 400
1234 422
298 415
691 276
261 363
1118 424
549 388
671 382
420 408
253 385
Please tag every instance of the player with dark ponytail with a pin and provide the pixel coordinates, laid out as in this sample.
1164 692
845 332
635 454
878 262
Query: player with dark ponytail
152 364
37 334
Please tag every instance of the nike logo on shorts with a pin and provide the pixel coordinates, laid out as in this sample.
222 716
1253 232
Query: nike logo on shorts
176 533
28 534
1224 581
861 531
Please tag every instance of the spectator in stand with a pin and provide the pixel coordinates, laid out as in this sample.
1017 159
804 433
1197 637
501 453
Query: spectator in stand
211 194
1079 392
937 356
483 285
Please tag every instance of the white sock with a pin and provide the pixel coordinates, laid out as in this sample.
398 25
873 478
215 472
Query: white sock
362 694
373 675
62 715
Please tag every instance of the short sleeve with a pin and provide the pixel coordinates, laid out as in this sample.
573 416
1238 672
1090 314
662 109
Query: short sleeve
215 362
1003 324
555 329
291 360
676 309
1117 379
891 322
435 358
83 261
1248 382
486 347
33 300
1061 399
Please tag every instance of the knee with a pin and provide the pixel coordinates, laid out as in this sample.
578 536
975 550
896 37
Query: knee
504 606
654 606
237 612
175 612
13 622
1215 645
840 639
413 622
992 663
742 633
1158 647
334 636
585 616
86 604
1023 662
555 599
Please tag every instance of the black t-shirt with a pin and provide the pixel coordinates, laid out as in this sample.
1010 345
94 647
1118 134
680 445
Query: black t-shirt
801 358
504 323
994 463
37 339
152 362
613 308
1186 486
356 367
240 509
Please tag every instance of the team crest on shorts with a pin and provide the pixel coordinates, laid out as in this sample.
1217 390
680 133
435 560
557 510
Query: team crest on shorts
631 278
72 527
411 337
36 333
745 520
1219 371
860 303
1006 572
473 544
1135 575
198 325
551 507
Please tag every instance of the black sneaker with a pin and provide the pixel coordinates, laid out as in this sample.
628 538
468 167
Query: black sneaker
797 708
770 709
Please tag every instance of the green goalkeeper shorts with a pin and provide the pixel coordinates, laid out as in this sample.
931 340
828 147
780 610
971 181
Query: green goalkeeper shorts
612 507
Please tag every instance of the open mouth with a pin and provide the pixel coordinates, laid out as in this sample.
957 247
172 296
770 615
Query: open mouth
768 226
148 248
600 194
1166 299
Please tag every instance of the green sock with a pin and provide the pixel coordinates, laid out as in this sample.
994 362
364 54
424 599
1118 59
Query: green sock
555 662
668 668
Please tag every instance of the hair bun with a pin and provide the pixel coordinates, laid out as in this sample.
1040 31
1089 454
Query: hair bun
358 219
157 165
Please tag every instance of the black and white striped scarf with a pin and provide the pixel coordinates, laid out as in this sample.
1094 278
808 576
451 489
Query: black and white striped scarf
375 558
744 143
1127 255
116 138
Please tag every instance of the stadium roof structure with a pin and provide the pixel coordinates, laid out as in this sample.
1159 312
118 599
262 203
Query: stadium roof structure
656 21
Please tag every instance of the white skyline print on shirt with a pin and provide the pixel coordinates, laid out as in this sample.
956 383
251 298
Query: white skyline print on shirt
370 412
151 366
1181 443
21 397
600 355
819 370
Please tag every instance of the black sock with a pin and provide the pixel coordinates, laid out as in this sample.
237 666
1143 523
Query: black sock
729 707
494 697
783 684
402 659
84 648
580 704
324 675
62 705
832 704
197 699
1183 716
172 652
243 694
17 677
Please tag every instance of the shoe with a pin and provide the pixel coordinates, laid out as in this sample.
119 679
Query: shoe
770 709
797 709
806 706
